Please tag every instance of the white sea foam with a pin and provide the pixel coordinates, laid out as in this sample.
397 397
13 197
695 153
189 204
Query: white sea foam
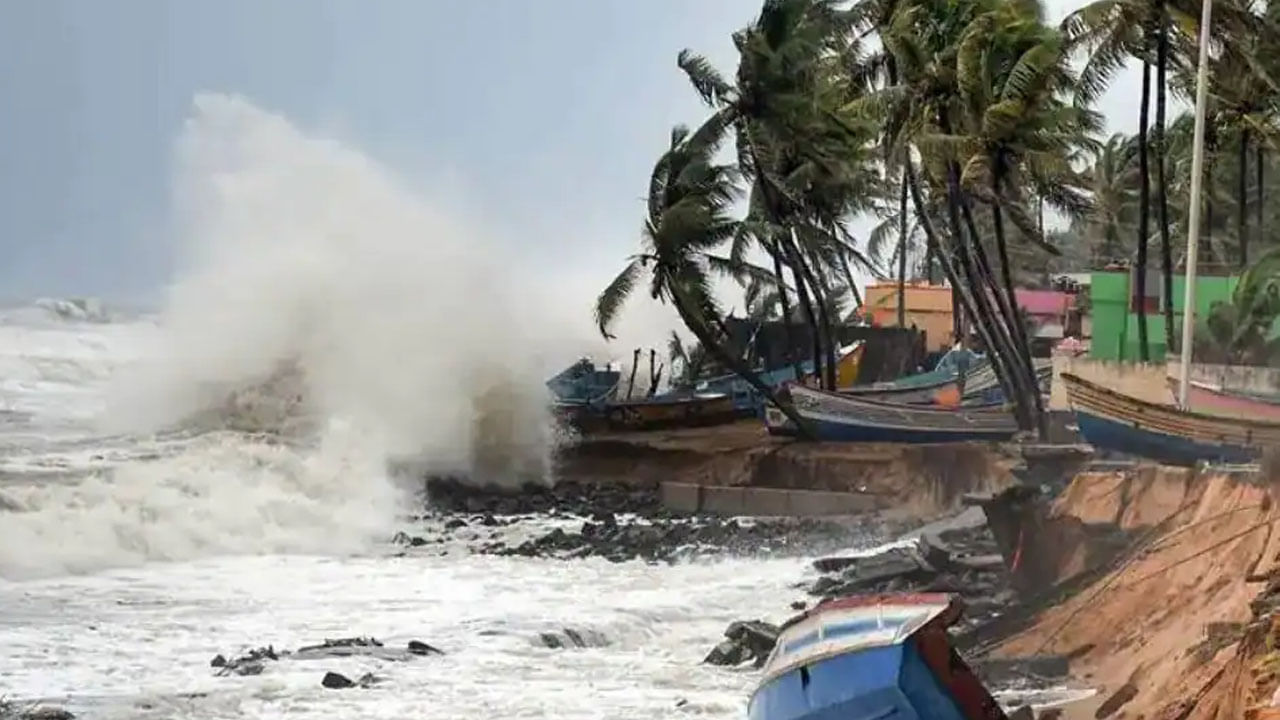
407 327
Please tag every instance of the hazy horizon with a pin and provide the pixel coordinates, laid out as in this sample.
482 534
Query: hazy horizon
539 127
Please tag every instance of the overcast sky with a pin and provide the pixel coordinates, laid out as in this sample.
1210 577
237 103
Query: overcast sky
545 114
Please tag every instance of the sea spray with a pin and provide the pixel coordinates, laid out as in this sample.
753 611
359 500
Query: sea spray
400 318
331 319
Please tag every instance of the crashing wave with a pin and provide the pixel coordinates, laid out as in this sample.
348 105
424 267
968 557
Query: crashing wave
75 309
275 405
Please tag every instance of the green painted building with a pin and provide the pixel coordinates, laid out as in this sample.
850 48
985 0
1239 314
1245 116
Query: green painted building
1114 320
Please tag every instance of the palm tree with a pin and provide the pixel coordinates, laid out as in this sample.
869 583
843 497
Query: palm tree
1112 215
1014 77
804 173
691 361
690 196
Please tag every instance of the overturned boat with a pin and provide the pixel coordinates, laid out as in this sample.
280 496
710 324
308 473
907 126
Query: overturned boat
872 656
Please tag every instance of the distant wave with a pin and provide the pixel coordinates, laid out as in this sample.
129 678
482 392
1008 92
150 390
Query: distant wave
76 309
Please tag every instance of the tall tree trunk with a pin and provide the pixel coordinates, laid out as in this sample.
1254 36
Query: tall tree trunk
848 278
1242 198
1144 201
810 315
635 363
997 217
950 274
714 346
1260 161
1001 352
1009 323
1004 353
822 293
902 254
785 305
1162 189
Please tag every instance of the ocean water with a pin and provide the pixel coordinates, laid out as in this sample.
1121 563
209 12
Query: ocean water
147 524
144 526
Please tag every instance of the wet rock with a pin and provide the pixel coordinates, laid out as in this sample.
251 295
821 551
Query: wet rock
336 681
897 568
250 663
726 652
1035 671
1118 699
417 647
44 712
744 640
573 638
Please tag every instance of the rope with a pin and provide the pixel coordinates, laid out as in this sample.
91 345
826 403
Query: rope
1145 544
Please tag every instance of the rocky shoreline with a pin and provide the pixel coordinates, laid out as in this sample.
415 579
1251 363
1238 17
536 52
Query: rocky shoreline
618 523
622 523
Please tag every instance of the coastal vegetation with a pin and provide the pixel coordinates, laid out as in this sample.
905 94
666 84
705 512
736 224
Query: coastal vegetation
968 131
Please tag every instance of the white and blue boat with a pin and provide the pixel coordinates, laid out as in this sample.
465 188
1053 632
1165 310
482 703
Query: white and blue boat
872 657
1110 420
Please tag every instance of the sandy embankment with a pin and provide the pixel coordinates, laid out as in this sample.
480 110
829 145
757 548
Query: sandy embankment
915 480
1168 632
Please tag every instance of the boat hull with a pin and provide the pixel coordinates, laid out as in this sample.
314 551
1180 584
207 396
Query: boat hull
1111 434
870 657
839 418
1114 421
651 414
892 681
1211 401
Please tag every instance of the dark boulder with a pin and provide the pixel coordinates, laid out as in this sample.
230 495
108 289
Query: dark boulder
417 647
744 640
573 638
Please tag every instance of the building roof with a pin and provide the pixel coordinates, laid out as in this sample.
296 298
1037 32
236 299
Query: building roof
1044 302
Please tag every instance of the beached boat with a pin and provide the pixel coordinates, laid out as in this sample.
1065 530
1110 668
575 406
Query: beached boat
876 656
749 402
655 413
1214 400
941 386
1114 421
843 418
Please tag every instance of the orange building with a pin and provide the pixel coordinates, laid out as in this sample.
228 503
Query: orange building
928 308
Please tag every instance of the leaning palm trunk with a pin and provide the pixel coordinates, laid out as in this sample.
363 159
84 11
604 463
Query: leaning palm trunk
822 296
824 318
810 315
692 320
1003 352
963 291
1166 249
997 215
784 304
1000 315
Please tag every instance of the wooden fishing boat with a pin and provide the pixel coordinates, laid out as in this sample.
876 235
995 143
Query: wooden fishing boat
749 402
875 656
655 413
1213 400
1114 421
842 418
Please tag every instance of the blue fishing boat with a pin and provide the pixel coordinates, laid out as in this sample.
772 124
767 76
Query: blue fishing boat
875 656
843 418
1110 420
584 383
